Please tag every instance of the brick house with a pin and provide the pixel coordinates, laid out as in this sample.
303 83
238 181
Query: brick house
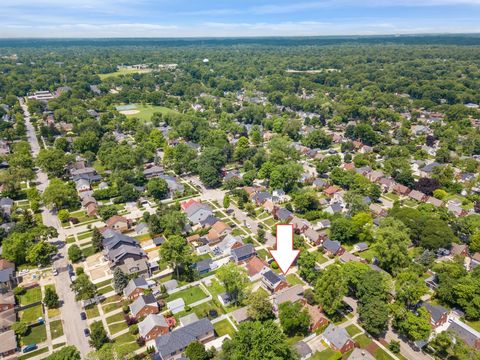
143 306
135 288
153 326
338 339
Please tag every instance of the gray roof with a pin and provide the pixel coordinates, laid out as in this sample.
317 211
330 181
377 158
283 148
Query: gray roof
188 319
8 341
272 277
464 332
360 354
243 251
123 251
179 339
170 284
203 265
6 202
331 246
302 348
336 335
134 284
116 239
284 214
150 322
141 302
436 311
6 274
361 246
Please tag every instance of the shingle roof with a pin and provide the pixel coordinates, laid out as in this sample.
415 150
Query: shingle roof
464 332
141 302
134 284
272 277
435 311
242 251
150 322
8 341
336 335
331 246
203 265
179 339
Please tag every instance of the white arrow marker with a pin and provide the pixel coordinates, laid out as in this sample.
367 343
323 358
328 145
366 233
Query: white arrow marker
284 254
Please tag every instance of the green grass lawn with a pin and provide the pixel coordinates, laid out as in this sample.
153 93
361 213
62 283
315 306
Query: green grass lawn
31 295
123 71
56 346
363 340
270 222
32 314
293 279
224 328
116 318
115 328
53 312
473 324
320 258
367 254
294 339
327 354
263 254
92 311
381 354
33 353
56 329
215 288
146 111
105 289
111 306
85 235
202 310
70 239
189 295
37 334
353 330
143 237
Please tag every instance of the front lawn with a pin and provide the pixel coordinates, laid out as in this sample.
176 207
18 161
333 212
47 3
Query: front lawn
367 254
56 328
353 330
215 288
31 296
53 312
381 354
37 335
363 340
327 354
115 328
293 279
189 295
31 315
224 328
33 353
105 290
115 318
92 311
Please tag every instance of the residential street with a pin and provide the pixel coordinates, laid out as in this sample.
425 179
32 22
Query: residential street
70 311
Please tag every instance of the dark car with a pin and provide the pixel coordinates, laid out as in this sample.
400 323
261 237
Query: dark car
86 332
83 316
29 348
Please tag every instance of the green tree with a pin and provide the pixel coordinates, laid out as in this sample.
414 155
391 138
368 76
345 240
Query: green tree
475 242
84 289
330 289
259 307
410 288
175 251
235 281
60 194
69 352
50 298
226 201
98 335
40 253
63 215
373 315
255 340
74 253
53 161
20 328
120 281
97 240
391 248
317 139
293 319
157 188
196 351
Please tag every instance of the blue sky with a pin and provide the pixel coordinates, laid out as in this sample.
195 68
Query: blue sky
200 18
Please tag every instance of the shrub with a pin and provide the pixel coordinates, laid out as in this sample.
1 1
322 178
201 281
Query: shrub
19 291
133 330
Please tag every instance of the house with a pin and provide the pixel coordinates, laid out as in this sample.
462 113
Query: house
459 250
144 305
6 204
186 204
334 208
260 197
176 306
475 260
82 185
324 224
7 276
320 183
8 343
124 252
292 294
331 190
7 319
377 210
243 253
240 315
401 189
118 223
273 282
283 215
348 257
268 206
153 172
153 326
224 298
209 221
386 184
466 333
333 248
234 174
188 319
170 285
91 210
417 195
317 320
158 240
198 212
220 229
203 266
360 354
86 173
255 267
173 185
338 339
375 176
303 350
173 344
435 202
280 196
135 288
300 225
360 247
438 314
7 301
142 229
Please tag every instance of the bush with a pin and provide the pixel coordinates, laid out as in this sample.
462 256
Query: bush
187 308
74 220
130 320
74 253
126 309
20 328
133 330
19 291
274 265
63 215
141 341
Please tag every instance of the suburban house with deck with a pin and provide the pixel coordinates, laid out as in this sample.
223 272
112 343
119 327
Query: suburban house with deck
144 305
135 288
273 282
338 339
153 326
243 253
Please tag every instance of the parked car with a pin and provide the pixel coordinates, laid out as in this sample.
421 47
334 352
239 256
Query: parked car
29 348
83 316
54 272
86 332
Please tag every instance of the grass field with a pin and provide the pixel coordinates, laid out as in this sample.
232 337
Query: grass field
145 112
31 314
53 312
353 330
117 327
33 353
189 295
56 329
326 354
224 328
37 334
293 279
123 71
116 318
31 296
363 340
92 311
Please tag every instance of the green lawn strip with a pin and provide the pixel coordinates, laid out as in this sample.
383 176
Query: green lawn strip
56 328
56 346
327 354
353 330
33 353
363 340
293 279
70 239
37 335
473 324
117 327
31 315
381 354
190 295
294 339
143 237
224 328
215 288
84 236
105 290
116 318
92 311
31 295
53 312
367 254
125 338
110 307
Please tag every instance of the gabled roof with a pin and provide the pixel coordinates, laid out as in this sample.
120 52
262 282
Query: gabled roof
464 332
114 219
331 246
336 335
436 311
150 322
203 265
135 284
142 301
8 341
272 277
243 251
292 294
116 239
254 265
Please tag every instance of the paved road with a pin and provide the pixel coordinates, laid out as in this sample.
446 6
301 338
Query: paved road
73 325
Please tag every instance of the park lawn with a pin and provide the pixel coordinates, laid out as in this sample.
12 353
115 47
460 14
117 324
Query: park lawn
190 295
381 354
92 311
117 327
53 312
32 314
353 330
56 328
363 340
224 328
116 318
123 71
293 279
33 353
326 354
31 295
37 335
146 111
